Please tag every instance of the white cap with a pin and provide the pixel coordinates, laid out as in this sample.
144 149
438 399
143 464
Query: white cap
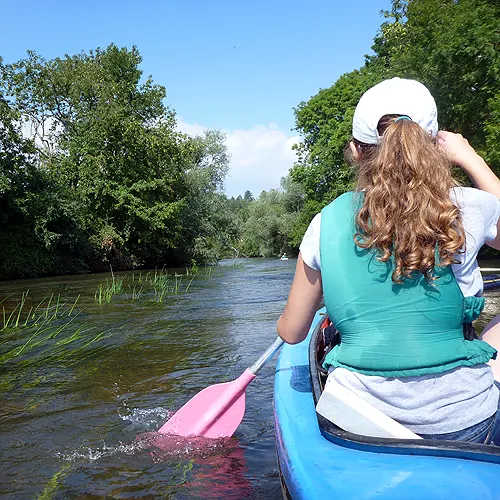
396 96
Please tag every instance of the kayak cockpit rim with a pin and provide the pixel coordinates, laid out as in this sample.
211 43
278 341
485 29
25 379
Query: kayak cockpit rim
333 433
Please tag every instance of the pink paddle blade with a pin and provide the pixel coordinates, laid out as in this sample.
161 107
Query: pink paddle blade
214 412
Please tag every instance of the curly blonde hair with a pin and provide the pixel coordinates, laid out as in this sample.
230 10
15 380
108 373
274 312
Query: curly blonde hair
407 211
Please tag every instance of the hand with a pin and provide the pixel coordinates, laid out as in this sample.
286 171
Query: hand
456 147
460 152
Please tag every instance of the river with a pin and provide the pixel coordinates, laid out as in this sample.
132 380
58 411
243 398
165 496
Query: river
74 399
69 423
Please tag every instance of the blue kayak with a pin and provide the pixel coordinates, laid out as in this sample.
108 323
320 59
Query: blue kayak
318 460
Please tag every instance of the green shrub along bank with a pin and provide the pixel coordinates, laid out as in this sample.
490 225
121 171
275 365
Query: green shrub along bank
102 176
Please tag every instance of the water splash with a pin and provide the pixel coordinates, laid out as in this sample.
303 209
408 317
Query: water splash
160 447
142 420
168 447
88 454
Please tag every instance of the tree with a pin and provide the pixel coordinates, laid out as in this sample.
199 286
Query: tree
141 192
451 46
325 123
111 142
37 231
208 225
248 197
270 224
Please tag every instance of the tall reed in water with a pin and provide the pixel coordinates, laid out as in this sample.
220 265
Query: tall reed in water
105 291
46 311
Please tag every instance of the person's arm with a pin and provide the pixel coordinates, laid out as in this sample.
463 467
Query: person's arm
461 153
303 302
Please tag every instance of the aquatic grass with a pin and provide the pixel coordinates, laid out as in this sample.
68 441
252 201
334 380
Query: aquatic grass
105 291
178 281
137 292
55 482
159 278
189 284
53 331
47 310
160 293
102 294
138 277
159 281
193 269
58 343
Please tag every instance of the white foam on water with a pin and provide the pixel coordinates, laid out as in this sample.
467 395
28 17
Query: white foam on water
88 454
160 447
147 419
167 447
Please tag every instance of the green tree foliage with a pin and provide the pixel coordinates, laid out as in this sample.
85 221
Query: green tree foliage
32 215
451 46
454 48
208 227
325 123
248 196
139 192
270 221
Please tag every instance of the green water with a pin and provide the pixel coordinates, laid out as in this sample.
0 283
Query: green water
69 415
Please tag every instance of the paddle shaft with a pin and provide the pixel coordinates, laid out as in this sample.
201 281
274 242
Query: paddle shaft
270 352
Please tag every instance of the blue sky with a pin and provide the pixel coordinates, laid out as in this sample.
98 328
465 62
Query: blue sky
240 66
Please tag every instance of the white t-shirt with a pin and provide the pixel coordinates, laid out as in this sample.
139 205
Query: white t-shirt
480 213
444 402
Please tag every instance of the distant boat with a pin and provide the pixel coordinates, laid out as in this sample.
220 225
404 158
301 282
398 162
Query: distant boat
284 257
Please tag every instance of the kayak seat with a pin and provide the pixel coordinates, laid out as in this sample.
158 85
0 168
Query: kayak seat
347 410
343 407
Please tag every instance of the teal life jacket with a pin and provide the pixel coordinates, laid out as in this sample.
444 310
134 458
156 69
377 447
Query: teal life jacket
386 329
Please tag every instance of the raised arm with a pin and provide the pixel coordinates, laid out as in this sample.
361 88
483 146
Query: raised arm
461 153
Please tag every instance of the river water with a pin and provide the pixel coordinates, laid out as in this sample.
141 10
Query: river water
69 419
74 399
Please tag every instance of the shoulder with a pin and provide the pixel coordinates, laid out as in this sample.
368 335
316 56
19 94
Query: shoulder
469 196
315 224
309 248
480 214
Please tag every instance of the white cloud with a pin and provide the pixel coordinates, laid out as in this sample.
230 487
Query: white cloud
190 128
260 156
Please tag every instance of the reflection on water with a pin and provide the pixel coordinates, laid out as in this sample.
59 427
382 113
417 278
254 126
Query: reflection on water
69 423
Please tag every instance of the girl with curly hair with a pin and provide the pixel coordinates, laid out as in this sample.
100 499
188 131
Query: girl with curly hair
395 263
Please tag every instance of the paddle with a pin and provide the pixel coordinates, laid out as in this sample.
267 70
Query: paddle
216 411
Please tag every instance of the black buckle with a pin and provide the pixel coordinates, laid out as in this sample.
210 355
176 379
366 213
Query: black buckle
469 331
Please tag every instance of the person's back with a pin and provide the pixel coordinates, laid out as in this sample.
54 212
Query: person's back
389 257
391 329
